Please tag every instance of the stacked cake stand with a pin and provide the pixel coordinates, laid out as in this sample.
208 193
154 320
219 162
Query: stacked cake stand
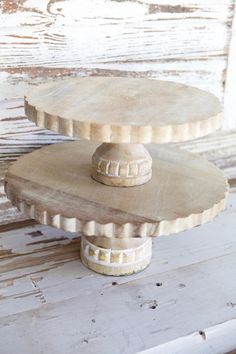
116 193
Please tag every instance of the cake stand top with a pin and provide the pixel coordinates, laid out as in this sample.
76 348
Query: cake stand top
124 110
53 186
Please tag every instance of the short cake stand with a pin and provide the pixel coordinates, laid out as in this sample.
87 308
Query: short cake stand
133 194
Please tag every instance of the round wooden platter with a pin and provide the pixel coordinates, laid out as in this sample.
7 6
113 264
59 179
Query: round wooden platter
124 110
53 185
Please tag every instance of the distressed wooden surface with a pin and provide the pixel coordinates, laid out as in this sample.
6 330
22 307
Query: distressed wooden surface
230 87
186 43
50 302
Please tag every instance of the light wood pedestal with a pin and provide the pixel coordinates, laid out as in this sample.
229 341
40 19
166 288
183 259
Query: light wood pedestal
169 190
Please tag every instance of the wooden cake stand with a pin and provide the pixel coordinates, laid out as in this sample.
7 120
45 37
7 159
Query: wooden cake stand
169 190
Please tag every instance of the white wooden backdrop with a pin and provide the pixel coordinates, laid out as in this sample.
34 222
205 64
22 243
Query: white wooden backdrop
185 41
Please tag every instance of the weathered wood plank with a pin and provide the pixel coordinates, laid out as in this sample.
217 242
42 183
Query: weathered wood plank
186 43
229 99
219 148
217 339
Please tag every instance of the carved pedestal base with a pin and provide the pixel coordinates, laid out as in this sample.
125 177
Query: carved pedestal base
113 256
121 165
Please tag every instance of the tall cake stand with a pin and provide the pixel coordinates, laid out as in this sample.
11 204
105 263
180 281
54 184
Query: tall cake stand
127 194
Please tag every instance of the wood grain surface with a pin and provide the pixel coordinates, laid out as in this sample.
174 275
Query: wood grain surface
54 186
124 110
186 43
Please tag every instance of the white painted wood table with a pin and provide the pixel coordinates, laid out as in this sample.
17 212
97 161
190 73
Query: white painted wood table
184 301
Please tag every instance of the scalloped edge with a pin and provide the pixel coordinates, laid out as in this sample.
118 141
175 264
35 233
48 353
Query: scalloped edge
122 134
94 228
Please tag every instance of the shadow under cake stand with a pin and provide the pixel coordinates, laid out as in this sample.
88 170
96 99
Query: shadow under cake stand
133 194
